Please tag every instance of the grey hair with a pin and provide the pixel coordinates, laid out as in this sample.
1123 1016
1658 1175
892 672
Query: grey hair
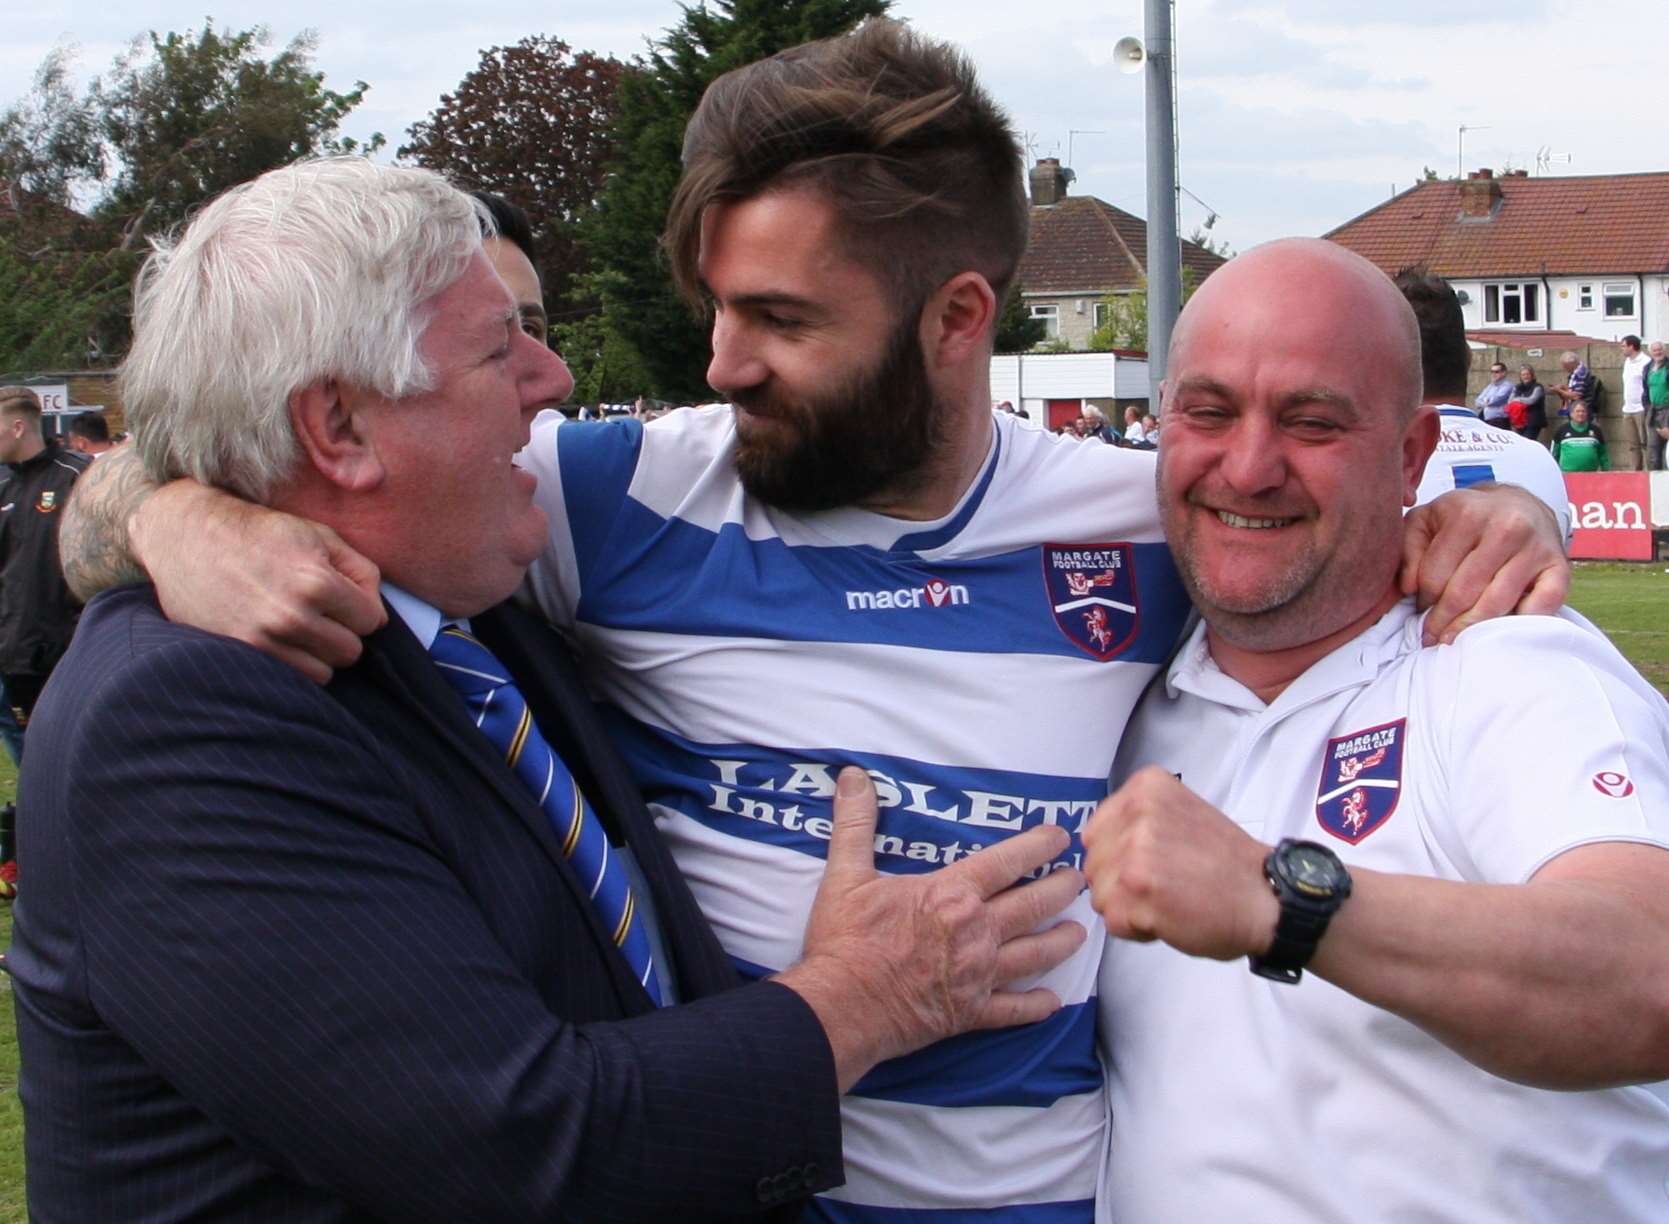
323 269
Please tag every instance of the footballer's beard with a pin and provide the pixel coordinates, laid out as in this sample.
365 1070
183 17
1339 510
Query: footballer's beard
871 439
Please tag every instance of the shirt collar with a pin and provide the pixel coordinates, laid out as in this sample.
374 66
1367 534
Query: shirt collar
1396 633
423 619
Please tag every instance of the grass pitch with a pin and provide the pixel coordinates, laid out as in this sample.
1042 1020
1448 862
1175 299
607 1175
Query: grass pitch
1630 601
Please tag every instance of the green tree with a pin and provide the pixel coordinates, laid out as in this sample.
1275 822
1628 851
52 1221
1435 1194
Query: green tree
186 116
60 309
534 123
1124 322
1217 246
179 118
655 103
49 140
1017 330
605 366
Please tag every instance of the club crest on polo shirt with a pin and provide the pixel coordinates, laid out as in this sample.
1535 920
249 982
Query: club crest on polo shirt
1361 780
1092 590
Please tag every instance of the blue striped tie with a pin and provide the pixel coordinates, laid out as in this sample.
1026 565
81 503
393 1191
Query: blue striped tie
503 716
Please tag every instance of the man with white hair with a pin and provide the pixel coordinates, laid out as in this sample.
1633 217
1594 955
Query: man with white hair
407 947
1580 384
1484 926
1098 426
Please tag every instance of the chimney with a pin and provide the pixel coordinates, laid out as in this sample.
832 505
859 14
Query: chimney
1480 194
1049 180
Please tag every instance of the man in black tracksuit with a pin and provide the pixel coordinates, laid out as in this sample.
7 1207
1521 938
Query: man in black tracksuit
37 611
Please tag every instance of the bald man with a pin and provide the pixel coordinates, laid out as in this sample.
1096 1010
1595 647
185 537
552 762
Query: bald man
1486 931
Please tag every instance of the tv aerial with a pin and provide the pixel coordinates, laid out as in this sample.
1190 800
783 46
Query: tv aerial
1545 157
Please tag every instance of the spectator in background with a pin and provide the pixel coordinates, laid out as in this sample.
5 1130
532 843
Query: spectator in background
1468 451
1634 401
1150 431
1656 380
1578 444
1133 434
1580 384
1096 425
1527 409
89 434
1492 400
37 611
510 251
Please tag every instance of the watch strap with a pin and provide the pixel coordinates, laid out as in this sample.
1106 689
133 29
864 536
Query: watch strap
1296 935
1302 923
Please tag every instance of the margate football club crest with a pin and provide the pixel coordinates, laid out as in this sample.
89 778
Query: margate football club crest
1361 780
1092 589
48 502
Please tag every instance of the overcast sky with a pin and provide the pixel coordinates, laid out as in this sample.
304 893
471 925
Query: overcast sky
1293 117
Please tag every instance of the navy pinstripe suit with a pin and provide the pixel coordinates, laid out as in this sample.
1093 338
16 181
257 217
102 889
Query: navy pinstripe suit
304 954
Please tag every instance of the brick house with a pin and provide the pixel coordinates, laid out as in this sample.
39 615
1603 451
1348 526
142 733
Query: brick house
1587 255
1082 250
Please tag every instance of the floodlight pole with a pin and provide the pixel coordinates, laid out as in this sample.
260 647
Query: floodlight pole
1164 251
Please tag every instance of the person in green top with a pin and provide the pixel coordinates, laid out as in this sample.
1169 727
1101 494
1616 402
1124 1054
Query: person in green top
1657 406
1578 444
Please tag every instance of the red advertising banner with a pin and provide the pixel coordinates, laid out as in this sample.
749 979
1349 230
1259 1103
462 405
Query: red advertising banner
1610 515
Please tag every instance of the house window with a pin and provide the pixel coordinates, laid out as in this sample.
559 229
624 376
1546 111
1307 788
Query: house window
1584 297
1102 311
1619 300
1513 303
1051 316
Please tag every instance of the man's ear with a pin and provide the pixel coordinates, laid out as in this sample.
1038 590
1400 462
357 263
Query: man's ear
332 425
958 320
1419 440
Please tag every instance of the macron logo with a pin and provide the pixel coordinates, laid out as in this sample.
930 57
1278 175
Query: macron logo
936 593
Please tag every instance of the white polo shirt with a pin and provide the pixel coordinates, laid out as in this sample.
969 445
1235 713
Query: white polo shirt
1239 1099
1633 393
1470 452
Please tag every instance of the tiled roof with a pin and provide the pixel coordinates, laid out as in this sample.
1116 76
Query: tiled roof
1542 227
1085 245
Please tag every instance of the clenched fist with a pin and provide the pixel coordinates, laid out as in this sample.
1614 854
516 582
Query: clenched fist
1164 864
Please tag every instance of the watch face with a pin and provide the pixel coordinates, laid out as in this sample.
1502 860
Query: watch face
1312 870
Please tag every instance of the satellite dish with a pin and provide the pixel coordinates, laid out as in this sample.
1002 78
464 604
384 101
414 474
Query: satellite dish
1128 55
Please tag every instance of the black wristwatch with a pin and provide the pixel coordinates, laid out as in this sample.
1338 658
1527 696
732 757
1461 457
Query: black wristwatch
1311 884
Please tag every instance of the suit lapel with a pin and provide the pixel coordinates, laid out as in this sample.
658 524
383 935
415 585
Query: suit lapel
398 664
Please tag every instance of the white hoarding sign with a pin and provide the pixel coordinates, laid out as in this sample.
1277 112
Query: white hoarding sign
55 397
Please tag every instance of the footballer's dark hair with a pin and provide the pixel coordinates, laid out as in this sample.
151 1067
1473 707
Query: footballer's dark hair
1445 358
509 221
89 425
892 130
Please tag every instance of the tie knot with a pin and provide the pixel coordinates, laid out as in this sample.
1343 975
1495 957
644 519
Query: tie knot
469 667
